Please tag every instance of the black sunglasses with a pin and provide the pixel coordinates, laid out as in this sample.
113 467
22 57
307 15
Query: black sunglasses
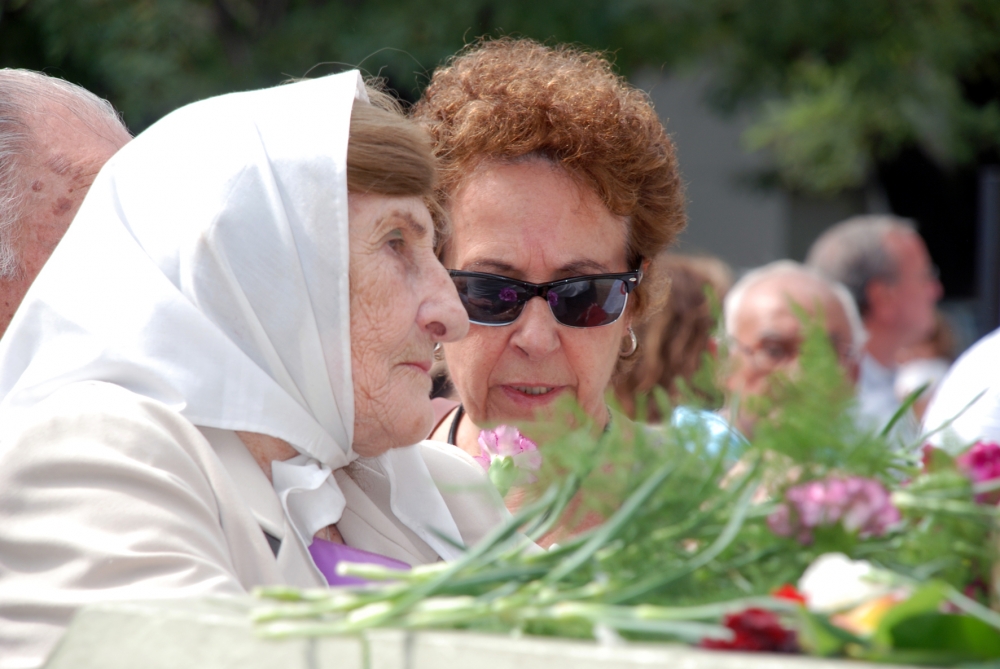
579 302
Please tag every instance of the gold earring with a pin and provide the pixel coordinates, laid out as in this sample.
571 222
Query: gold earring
634 345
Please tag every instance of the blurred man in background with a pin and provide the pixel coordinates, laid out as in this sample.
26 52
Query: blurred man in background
54 139
765 333
884 263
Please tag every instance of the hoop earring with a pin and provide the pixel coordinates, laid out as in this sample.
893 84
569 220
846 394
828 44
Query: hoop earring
438 352
634 345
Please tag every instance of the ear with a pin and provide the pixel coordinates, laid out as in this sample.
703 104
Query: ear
712 347
879 295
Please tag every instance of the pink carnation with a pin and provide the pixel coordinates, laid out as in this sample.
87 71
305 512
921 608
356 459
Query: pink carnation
860 505
507 441
982 463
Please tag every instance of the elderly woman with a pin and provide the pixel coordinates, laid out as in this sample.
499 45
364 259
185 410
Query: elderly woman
561 183
213 382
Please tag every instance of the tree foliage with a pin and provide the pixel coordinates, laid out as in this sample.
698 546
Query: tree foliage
835 86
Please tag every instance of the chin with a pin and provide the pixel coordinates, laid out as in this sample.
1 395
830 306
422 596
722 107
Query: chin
404 423
416 427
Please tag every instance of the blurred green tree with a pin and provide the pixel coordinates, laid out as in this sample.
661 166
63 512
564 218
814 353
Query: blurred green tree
834 86
839 86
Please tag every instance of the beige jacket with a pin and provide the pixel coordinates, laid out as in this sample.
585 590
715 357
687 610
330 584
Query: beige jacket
108 495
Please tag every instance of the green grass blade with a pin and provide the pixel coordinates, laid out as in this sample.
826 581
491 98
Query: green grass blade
613 525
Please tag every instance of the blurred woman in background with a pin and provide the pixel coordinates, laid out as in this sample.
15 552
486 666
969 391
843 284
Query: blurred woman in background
678 335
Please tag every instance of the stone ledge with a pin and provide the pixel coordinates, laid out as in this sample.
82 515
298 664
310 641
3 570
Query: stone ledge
217 634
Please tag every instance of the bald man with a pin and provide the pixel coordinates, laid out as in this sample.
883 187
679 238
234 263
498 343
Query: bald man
765 334
54 139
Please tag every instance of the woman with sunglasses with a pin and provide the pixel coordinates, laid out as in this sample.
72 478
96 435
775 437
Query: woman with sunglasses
560 182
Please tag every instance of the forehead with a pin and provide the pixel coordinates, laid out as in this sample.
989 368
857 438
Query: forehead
907 249
533 219
766 308
371 215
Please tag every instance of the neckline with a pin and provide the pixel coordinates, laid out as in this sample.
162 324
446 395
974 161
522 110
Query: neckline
453 430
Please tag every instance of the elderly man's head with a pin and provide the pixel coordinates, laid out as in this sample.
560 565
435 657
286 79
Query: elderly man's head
884 263
54 138
765 331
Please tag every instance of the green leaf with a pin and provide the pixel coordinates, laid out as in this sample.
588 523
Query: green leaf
939 460
926 599
961 636
903 408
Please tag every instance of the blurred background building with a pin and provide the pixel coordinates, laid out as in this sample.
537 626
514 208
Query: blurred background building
789 115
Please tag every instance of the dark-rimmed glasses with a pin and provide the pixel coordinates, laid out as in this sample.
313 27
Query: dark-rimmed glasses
578 302
773 351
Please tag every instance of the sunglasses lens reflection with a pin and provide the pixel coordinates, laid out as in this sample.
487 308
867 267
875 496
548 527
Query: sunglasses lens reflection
589 304
490 301
582 303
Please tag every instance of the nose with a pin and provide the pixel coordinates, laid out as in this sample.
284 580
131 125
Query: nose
441 314
937 289
535 330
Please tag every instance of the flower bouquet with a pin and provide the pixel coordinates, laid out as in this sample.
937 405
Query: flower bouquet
816 537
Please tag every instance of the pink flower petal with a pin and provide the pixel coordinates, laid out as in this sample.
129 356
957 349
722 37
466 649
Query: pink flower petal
483 459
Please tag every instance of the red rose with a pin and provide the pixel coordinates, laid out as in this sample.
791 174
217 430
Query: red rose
757 630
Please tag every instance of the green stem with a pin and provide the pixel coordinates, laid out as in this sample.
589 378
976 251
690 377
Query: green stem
729 533
613 525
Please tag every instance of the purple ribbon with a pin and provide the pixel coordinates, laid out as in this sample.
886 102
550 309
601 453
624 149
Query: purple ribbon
327 554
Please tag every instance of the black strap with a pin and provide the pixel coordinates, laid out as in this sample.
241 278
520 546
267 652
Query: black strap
274 542
453 430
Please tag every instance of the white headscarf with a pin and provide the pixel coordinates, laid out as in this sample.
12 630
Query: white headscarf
208 269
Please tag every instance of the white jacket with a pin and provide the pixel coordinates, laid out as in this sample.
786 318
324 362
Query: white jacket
108 495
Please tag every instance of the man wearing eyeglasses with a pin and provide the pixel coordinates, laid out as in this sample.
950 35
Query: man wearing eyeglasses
764 332
884 262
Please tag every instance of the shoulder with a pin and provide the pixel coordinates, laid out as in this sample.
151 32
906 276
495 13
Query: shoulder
975 373
95 403
108 494
100 426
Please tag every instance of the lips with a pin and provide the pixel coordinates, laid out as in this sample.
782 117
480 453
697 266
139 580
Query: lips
422 365
531 396
534 390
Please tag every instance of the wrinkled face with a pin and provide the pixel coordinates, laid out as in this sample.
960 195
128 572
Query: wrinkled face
402 303
915 290
64 157
531 221
767 333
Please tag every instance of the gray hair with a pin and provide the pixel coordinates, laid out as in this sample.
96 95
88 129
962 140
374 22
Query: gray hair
24 94
853 252
734 298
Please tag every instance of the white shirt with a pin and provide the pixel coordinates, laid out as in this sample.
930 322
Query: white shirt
876 390
977 371
877 400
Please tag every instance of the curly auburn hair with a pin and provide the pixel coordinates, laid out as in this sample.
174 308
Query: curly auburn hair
506 99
